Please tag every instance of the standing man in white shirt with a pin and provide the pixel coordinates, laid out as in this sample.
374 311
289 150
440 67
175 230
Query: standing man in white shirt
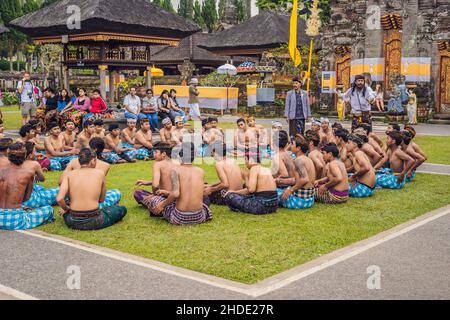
132 105
27 98
360 97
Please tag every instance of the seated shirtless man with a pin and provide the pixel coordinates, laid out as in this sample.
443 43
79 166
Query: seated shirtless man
86 135
100 131
97 145
69 135
282 162
114 152
363 181
416 148
300 193
229 173
409 149
260 195
129 138
209 136
344 154
143 141
161 176
376 159
184 204
55 147
4 145
327 131
239 141
333 188
314 153
400 163
167 131
40 196
87 189
16 186
180 132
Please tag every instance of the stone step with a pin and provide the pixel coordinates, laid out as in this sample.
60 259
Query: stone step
442 116
439 121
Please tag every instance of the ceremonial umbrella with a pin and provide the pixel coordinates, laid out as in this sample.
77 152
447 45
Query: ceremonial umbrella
229 70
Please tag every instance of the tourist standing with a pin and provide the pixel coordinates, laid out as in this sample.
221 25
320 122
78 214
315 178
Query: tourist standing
25 88
297 108
379 97
194 102
360 97
132 105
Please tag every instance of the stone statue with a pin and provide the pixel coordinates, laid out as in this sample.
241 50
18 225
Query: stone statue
397 94
186 69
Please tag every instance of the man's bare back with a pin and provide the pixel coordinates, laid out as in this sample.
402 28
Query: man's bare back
86 188
16 185
191 186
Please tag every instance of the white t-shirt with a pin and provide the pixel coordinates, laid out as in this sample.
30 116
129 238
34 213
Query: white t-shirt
132 103
27 94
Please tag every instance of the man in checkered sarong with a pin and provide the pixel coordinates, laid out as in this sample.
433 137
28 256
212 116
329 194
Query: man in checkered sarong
400 163
332 189
363 181
16 186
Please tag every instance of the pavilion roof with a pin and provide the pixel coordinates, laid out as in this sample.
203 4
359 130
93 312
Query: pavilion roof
266 30
188 49
133 17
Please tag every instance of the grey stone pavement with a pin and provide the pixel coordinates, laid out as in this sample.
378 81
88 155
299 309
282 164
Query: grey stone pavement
413 264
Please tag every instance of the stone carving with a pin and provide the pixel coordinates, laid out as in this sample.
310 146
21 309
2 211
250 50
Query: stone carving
397 93
186 69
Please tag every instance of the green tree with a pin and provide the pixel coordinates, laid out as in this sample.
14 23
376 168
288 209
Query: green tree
198 16
240 10
221 9
167 4
186 9
209 14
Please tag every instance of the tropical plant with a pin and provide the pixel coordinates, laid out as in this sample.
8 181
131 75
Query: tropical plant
198 16
215 79
10 99
209 14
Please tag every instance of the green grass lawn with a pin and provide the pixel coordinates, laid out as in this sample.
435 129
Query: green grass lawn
249 248
11 117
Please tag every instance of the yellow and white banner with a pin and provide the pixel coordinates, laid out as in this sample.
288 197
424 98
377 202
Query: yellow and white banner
251 95
210 97
328 81
416 69
374 66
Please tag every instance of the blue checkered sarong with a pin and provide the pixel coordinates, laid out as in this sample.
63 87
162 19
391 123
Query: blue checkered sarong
60 163
41 197
204 150
19 219
112 198
294 201
110 157
360 191
130 153
143 153
389 181
411 179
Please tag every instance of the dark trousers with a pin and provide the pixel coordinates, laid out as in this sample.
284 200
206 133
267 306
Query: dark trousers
296 126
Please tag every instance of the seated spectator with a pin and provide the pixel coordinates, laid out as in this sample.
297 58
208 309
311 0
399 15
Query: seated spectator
175 109
132 105
150 110
98 105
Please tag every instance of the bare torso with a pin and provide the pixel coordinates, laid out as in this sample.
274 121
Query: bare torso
191 181
16 185
233 173
369 177
85 188
337 167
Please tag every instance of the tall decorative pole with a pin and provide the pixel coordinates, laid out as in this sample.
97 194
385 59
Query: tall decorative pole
312 30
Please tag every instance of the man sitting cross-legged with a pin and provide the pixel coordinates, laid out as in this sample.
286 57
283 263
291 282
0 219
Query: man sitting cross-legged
86 135
129 138
4 145
40 196
16 186
87 189
185 203
300 194
55 147
400 163
363 181
69 135
333 188
167 131
409 149
229 173
143 141
314 153
114 153
260 195
97 145
416 148
161 176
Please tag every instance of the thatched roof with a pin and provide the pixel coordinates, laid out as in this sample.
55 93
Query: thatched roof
188 49
266 30
137 17
3 29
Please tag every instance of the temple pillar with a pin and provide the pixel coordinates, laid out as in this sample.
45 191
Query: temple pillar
66 77
102 73
148 78
112 88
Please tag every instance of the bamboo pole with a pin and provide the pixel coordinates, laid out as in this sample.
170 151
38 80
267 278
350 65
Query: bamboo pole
308 83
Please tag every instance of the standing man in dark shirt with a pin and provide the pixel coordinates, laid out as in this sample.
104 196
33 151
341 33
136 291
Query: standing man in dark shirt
297 109
51 104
